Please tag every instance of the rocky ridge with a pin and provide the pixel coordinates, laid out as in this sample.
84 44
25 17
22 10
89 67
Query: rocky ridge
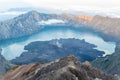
23 25
67 68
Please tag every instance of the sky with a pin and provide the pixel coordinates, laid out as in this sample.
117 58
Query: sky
59 4
98 7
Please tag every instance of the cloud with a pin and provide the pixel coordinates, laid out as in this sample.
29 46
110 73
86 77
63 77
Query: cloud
70 3
6 4
96 7
59 4
108 7
50 22
11 13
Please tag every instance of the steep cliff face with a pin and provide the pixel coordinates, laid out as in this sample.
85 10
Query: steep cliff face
23 25
110 64
105 25
67 68
4 64
109 26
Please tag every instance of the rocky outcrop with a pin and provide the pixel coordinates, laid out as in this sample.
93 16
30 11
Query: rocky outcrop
110 64
67 68
46 51
4 64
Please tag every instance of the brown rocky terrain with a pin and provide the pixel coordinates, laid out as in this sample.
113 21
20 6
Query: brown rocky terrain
67 68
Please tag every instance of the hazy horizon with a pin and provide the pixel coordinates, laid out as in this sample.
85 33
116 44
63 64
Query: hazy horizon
109 8
58 4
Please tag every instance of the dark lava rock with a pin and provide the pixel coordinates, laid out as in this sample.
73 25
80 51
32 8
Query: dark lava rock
46 51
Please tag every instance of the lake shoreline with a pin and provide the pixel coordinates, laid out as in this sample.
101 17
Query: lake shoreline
53 32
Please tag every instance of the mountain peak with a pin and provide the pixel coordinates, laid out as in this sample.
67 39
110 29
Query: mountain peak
67 68
69 58
33 12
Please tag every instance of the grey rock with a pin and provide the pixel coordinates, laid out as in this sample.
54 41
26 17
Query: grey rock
111 63
23 25
67 68
4 64
46 51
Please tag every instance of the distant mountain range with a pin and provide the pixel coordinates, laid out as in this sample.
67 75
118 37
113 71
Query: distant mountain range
26 24
23 25
46 51
67 68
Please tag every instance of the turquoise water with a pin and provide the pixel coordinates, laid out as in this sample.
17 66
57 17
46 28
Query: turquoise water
13 48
